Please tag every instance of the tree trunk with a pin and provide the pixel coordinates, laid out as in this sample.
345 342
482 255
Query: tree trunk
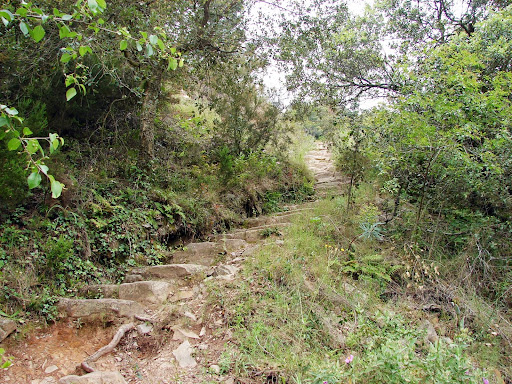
148 112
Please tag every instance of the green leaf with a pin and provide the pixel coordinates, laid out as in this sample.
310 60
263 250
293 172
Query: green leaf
173 50
22 12
71 92
67 17
64 31
13 144
83 50
153 39
7 15
4 121
11 111
33 146
101 21
93 6
70 80
66 57
173 64
161 44
123 45
37 33
27 131
149 50
56 187
24 28
182 62
102 4
34 179
139 47
43 169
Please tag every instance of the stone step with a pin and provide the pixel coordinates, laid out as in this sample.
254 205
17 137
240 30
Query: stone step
207 253
96 377
146 292
294 207
254 234
98 291
330 185
171 272
329 180
92 309
280 218
325 174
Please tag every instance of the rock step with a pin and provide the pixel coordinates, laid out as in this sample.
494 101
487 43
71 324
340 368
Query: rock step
92 309
207 253
171 272
329 180
280 218
95 378
329 185
253 234
294 207
144 292
325 174
97 291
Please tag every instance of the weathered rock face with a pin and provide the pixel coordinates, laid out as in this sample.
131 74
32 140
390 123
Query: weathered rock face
7 326
95 378
98 308
152 292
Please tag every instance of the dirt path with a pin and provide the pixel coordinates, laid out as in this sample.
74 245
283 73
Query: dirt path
186 334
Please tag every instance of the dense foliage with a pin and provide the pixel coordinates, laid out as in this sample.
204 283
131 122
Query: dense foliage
147 124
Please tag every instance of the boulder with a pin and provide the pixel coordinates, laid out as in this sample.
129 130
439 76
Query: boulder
7 326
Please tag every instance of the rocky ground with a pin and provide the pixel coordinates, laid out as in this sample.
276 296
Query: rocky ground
160 326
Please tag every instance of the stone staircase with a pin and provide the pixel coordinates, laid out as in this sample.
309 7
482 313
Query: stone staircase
174 295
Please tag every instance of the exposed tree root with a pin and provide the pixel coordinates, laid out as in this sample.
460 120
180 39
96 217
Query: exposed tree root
107 348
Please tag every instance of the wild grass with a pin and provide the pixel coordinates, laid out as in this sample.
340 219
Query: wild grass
323 307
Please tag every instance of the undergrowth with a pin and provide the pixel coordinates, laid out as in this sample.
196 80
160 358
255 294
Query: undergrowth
337 302
119 210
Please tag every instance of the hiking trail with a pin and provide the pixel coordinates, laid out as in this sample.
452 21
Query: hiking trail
159 326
